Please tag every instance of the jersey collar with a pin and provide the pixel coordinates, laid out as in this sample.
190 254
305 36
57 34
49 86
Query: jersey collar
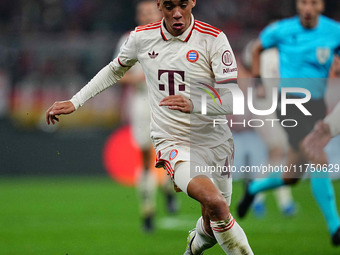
183 37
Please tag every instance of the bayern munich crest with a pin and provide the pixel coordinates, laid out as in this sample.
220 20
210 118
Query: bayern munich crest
173 154
192 56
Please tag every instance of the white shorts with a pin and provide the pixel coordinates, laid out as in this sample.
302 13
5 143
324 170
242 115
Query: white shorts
198 161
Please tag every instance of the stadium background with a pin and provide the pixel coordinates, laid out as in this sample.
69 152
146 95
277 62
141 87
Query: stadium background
55 195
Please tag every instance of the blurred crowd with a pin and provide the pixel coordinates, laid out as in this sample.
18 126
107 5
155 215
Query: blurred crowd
50 48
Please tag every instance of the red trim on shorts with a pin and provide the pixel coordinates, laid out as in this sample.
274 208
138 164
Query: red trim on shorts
165 164
169 169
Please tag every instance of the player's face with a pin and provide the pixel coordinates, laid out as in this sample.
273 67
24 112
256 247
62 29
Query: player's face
309 11
177 14
147 12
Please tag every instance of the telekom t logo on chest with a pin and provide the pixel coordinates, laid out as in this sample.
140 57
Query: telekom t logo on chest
171 80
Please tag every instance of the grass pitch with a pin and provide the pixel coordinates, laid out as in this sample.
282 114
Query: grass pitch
94 215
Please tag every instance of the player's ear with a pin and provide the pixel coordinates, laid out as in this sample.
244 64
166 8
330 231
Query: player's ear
193 3
322 6
158 4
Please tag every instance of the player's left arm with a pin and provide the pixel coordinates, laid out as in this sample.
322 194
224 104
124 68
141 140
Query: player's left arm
224 67
105 78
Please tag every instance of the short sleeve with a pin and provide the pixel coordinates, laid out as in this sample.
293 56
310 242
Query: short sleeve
223 60
127 56
270 36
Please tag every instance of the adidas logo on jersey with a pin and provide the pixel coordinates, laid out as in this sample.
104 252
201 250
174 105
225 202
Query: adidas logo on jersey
153 55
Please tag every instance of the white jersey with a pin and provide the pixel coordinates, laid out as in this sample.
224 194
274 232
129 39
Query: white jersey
177 66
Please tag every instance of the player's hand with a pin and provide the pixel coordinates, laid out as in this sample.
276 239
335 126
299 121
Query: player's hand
316 140
58 108
177 102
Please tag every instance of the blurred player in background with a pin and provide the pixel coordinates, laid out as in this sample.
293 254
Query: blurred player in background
272 134
330 127
176 54
306 44
139 112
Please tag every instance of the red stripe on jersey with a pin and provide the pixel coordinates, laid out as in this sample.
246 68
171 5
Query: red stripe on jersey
163 35
189 35
207 29
205 32
148 28
121 63
227 81
149 25
207 25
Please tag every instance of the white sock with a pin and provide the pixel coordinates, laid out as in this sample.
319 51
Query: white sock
202 240
260 198
147 186
231 237
284 197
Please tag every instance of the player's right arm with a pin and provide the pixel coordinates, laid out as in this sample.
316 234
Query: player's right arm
106 77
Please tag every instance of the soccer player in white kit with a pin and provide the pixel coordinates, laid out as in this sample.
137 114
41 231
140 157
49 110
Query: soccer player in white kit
178 55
